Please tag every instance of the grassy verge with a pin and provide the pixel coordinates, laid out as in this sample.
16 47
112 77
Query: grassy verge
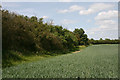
82 47
15 57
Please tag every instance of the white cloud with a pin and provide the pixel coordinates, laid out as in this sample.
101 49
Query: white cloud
107 25
96 8
107 20
75 8
86 12
71 9
104 22
45 17
107 15
104 31
92 9
68 21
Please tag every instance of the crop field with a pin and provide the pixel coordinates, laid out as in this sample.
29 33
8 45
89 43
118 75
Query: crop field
96 61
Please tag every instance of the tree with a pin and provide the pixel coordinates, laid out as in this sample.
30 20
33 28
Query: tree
101 39
41 20
33 19
82 37
22 33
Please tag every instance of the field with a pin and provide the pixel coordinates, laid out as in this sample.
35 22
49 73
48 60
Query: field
96 61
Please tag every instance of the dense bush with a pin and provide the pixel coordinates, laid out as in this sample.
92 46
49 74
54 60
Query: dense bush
22 33
82 38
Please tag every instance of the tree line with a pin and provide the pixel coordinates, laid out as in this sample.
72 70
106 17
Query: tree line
23 33
105 41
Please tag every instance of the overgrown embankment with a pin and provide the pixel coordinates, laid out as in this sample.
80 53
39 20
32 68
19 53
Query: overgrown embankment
15 57
24 35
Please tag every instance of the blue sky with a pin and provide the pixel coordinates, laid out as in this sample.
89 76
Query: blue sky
97 19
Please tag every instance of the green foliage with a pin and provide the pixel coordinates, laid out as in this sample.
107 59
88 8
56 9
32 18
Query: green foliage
10 56
106 41
16 33
82 37
31 34
51 42
22 33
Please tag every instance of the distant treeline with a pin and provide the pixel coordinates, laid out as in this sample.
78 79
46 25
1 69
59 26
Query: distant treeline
106 41
22 33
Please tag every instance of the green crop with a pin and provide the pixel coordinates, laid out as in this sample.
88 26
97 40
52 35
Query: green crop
96 61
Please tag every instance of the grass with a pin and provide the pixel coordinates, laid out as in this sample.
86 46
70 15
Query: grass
14 57
96 61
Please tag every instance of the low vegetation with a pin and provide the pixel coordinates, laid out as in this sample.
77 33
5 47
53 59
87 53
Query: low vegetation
96 61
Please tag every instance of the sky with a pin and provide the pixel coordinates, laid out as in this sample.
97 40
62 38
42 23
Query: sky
98 19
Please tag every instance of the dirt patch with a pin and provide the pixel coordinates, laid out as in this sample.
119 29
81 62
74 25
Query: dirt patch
76 51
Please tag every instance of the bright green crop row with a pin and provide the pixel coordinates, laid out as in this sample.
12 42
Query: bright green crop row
96 61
